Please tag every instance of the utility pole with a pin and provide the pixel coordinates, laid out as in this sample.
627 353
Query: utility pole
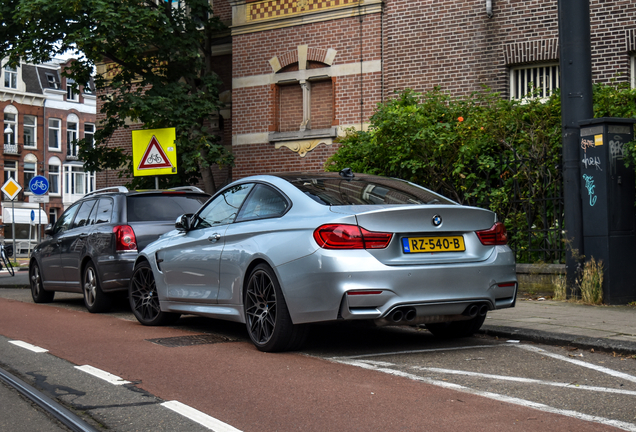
576 105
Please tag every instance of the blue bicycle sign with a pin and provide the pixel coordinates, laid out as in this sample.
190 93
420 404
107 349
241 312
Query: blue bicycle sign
39 185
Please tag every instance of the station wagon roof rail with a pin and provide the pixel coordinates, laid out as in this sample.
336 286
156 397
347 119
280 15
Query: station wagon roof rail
108 189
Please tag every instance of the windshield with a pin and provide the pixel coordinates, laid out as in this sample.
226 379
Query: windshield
363 190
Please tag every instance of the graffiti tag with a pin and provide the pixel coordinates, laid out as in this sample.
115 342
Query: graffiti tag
589 185
594 161
586 143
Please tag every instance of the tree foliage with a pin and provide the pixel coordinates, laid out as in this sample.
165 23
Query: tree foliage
161 74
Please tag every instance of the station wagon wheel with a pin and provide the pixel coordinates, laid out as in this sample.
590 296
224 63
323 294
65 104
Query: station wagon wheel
456 329
144 301
267 318
37 289
95 299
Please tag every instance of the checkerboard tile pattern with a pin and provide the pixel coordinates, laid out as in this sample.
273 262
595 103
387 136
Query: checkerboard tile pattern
280 8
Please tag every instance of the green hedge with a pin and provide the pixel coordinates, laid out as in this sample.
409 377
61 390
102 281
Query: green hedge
481 150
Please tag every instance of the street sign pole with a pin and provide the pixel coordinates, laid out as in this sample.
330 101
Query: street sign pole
15 251
39 185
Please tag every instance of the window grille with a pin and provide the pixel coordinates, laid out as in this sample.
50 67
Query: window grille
534 82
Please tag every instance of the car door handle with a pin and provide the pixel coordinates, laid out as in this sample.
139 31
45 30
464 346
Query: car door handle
83 235
214 237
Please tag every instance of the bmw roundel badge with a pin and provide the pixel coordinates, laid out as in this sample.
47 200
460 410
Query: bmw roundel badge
437 220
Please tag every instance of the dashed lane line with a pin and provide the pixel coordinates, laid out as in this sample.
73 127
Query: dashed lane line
199 417
526 380
113 379
498 397
28 346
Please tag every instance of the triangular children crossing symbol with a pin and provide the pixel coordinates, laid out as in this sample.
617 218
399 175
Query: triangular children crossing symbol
154 156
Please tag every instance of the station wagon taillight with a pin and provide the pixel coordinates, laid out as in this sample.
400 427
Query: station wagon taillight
125 240
341 236
494 236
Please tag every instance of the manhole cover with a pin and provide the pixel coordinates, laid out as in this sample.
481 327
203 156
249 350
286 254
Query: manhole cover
181 341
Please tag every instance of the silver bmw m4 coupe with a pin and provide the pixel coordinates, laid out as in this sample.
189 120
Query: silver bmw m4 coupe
278 252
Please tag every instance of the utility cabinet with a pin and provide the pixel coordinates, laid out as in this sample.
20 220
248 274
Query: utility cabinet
607 203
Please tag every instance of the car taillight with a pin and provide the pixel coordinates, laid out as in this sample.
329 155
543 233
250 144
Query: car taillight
340 236
496 235
125 239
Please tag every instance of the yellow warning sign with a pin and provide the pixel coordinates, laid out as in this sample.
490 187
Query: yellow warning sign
154 152
11 188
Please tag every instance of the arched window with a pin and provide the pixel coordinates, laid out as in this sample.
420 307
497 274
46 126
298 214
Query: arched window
30 170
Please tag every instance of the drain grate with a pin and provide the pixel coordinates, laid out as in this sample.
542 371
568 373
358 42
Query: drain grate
182 341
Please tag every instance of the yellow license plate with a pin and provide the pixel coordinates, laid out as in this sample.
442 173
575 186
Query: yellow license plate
433 244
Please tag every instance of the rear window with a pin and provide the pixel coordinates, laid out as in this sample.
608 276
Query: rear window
162 207
365 190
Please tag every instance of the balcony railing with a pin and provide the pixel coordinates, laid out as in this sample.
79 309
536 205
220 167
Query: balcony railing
11 149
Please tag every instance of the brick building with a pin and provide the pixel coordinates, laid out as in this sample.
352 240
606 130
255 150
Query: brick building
304 71
43 117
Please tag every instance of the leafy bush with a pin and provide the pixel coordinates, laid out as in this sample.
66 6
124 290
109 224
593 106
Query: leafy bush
479 150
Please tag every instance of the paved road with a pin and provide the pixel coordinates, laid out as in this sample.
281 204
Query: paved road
348 378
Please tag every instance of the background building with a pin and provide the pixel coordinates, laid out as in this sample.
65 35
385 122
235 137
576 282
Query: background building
305 71
43 118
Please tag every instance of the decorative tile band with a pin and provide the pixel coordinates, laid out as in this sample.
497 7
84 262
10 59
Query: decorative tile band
282 8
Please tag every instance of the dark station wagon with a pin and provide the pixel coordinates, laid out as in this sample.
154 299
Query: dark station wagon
92 247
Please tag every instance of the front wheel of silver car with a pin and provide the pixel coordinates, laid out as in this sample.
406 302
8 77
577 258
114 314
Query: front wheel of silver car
457 329
267 318
95 299
38 293
144 301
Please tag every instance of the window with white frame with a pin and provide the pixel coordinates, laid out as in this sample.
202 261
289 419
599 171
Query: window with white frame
52 216
10 170
534 81
78 182
89 134
71 140
54 134
71 93
54 176
10 128
29 173
30 131
10 77
53 81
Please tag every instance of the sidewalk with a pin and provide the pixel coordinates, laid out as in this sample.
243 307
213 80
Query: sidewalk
604 328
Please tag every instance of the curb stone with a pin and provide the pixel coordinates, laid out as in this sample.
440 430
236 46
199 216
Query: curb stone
548 338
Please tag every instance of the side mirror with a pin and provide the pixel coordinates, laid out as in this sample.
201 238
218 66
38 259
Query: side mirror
49 229
183 223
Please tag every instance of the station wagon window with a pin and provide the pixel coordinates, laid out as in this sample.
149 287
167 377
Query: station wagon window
167 206
263 202
82 214
64 222
224 208
102 212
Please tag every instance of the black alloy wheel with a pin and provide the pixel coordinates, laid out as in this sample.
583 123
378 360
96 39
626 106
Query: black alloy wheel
38 293
95 299
267 318
144 301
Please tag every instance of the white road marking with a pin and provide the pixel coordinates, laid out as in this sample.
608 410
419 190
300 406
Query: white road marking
502 398
597 368
199 417
29 346
113 379
421 351
527 380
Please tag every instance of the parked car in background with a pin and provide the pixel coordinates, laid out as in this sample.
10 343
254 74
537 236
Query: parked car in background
278 252
93 246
